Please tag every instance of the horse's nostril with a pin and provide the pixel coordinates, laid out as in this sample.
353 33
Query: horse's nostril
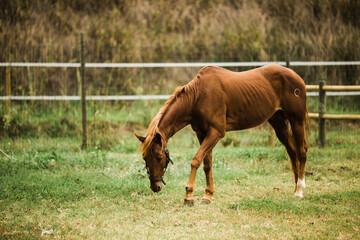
158 188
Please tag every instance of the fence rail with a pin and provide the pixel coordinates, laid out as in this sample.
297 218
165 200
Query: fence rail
78 98
333 88
179 64
336 116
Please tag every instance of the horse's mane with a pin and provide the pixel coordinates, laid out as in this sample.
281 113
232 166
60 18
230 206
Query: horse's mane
187 93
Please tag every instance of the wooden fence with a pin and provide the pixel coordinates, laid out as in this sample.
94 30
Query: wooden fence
322 115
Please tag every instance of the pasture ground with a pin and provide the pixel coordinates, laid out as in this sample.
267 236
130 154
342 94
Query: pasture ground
50 188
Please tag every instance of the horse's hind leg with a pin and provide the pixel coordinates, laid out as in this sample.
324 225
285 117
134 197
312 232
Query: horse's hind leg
278 122
298 130
210 189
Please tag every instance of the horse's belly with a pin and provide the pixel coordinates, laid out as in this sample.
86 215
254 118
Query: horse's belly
243 116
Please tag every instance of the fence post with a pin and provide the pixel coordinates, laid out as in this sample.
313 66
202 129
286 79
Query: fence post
83 91
322 110
8 82
287 54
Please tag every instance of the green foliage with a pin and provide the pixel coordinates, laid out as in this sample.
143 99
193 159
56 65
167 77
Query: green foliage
31 120
313 205
108 122
12 125
50 183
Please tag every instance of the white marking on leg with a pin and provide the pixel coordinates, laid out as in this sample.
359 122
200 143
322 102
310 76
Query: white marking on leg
299 188
301 183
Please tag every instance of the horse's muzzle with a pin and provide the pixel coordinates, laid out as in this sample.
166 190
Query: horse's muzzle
155 188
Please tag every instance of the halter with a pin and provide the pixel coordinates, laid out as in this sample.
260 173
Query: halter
168 159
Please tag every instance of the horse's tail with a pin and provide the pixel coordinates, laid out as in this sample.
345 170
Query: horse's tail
307 130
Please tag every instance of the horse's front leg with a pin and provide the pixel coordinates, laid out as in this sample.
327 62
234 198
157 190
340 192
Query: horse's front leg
209 142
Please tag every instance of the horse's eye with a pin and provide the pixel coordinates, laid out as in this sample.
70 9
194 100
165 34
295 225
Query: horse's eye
159 157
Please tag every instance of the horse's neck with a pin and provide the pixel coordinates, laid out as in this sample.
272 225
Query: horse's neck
176 117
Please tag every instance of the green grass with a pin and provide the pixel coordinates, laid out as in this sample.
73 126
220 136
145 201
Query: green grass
52 184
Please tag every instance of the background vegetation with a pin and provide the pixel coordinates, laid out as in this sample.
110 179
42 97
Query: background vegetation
167 31
160 31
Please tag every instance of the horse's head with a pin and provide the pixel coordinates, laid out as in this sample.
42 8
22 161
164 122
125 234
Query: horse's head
156 158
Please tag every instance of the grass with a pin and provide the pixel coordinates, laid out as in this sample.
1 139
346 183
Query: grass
51 188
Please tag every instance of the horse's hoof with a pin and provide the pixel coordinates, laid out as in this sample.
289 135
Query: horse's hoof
298 195
205 201
189 203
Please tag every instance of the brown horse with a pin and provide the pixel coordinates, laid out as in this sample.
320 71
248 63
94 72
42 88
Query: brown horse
218 100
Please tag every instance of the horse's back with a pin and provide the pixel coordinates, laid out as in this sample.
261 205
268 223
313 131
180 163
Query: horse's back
272 83
248 98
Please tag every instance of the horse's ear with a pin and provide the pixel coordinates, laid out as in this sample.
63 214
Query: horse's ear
141 138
